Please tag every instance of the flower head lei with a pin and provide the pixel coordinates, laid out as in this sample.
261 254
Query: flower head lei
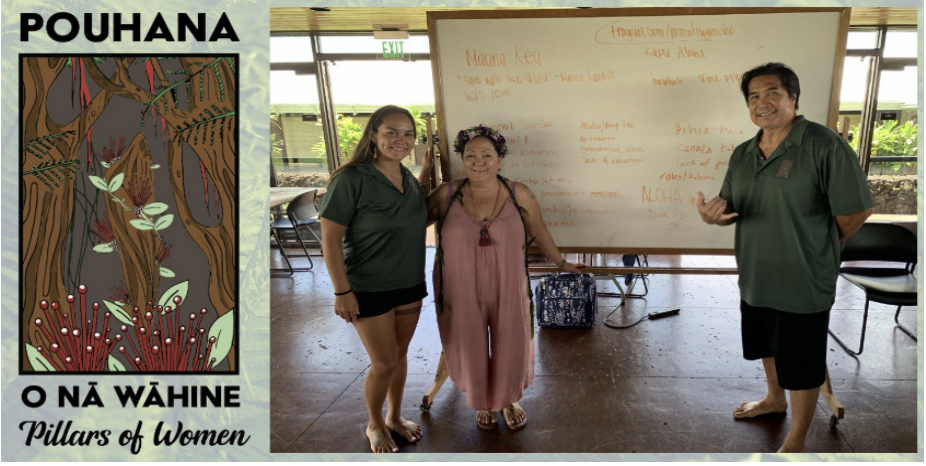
469 134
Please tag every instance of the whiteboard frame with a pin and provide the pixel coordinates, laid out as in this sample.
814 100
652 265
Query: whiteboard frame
555 13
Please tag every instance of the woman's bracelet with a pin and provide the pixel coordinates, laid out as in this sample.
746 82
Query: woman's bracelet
561 263
344 292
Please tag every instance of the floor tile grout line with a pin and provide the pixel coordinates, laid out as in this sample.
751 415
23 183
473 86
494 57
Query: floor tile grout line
629 377
324 410
824 407
686 377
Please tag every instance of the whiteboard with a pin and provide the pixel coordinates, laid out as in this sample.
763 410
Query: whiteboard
616 122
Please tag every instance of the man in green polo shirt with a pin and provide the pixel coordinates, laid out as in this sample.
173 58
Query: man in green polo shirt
795 191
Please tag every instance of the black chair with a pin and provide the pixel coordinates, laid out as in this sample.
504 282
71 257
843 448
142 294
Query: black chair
301 212
881 242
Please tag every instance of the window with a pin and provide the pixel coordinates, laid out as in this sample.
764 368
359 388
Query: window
360 81
359 87
289 88
881 67
295 116
291 49
381 82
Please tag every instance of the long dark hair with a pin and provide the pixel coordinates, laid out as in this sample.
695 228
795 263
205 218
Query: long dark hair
363 153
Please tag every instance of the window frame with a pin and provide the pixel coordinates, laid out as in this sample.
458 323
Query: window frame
877 64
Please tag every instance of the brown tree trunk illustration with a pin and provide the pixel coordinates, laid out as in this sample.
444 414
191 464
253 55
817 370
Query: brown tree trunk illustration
217 154
46 210
137 248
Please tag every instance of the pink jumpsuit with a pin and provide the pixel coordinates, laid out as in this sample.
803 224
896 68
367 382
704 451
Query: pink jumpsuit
485 323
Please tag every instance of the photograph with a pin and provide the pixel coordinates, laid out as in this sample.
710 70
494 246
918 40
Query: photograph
461 231
593 230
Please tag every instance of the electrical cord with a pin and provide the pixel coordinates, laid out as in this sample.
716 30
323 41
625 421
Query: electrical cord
650 316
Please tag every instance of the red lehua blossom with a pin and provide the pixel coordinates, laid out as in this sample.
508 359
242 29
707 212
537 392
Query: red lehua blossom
121 294
163 254
169 349
103 230
114 151
139 193
76 341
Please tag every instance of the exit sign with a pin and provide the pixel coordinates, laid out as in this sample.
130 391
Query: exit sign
393 49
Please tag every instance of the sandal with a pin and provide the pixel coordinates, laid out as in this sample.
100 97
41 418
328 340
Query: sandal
509 413
488 425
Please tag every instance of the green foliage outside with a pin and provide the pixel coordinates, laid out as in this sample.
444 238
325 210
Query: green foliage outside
276 144
421 126
891 139
349 134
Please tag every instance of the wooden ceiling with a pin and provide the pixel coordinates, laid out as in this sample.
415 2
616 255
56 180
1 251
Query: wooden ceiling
883 17
345 19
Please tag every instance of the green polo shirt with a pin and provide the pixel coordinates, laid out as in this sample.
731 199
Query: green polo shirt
384 242
787 242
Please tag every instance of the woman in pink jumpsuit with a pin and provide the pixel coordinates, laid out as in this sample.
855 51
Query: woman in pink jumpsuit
480 275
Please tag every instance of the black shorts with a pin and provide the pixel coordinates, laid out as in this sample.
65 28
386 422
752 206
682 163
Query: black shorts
796 341
377 303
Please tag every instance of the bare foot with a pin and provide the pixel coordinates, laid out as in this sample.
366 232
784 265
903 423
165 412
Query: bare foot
405 428
792 448
514 416
757 408
381 441
487 420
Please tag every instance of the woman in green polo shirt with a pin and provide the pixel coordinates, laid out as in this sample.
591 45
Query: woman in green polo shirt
373 223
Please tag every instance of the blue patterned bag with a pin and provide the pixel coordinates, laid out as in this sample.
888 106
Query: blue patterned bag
566 301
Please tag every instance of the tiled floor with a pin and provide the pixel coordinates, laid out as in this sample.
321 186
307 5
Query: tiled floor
667 385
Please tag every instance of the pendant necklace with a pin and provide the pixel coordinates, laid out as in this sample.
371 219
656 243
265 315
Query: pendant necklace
484 239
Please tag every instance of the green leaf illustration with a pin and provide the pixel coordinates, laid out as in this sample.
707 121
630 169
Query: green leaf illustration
119 313
164 222
167 273
223 329
116 182
105 165
114 365
155 208
180 289
142 224
100 183
155 167
38 362
104 248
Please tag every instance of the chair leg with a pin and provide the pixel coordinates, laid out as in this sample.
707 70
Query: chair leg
302 244
289 266
861 345
319 240
291 269
905 329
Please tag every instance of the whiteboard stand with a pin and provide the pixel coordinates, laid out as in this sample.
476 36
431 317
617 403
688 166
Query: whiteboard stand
613 279
839 412
616 279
